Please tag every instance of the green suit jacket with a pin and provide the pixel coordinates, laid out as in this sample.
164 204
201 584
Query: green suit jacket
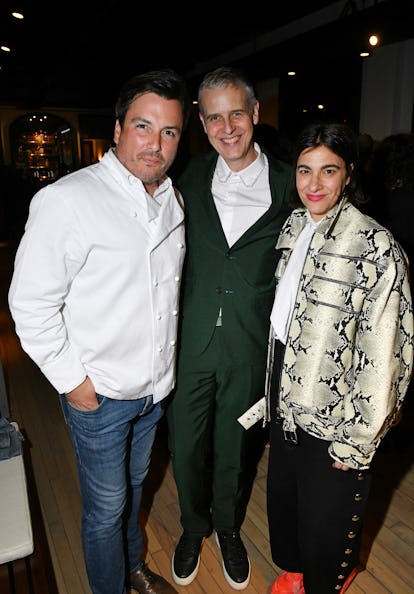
238 279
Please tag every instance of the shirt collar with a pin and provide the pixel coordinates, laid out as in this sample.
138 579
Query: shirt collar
310 222
248 175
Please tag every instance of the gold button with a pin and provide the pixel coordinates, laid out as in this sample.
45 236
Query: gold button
351 534
355 518
344 564
348 551
358 497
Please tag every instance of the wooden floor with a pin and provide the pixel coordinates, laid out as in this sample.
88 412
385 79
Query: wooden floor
389 529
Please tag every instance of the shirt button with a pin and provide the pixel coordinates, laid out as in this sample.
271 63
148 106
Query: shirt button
172 342
181 246
159 349
158 317
155 283
175 312
176 278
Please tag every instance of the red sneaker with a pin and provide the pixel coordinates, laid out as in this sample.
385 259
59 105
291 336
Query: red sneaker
288 583
349 579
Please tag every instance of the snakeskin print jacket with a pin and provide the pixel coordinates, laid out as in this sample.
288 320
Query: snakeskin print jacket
349 353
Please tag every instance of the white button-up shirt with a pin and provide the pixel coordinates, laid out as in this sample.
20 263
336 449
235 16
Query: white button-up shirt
241 197
286 291
95 289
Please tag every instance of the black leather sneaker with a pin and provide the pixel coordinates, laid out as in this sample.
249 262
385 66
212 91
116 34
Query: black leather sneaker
236 564
186 559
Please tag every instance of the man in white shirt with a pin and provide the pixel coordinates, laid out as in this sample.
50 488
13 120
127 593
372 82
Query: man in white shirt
94 296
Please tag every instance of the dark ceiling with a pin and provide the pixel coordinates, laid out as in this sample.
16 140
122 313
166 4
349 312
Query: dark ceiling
77 54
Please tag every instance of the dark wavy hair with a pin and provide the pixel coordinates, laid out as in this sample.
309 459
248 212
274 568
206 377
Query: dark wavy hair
166 83
342 141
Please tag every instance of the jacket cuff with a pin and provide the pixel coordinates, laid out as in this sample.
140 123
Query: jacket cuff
65 373
358 458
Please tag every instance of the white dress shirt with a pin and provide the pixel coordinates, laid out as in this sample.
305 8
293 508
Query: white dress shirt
287 288
96 283
242 197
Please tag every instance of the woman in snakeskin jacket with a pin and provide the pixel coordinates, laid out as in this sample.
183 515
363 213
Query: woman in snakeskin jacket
339 364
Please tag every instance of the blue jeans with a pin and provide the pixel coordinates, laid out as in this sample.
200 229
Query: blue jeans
113 448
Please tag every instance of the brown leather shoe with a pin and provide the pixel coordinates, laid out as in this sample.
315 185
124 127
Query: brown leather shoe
144 581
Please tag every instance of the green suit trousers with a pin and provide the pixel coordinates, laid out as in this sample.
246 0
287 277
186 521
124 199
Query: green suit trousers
211 451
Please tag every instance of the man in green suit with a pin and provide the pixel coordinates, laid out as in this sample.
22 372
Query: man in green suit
236 200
